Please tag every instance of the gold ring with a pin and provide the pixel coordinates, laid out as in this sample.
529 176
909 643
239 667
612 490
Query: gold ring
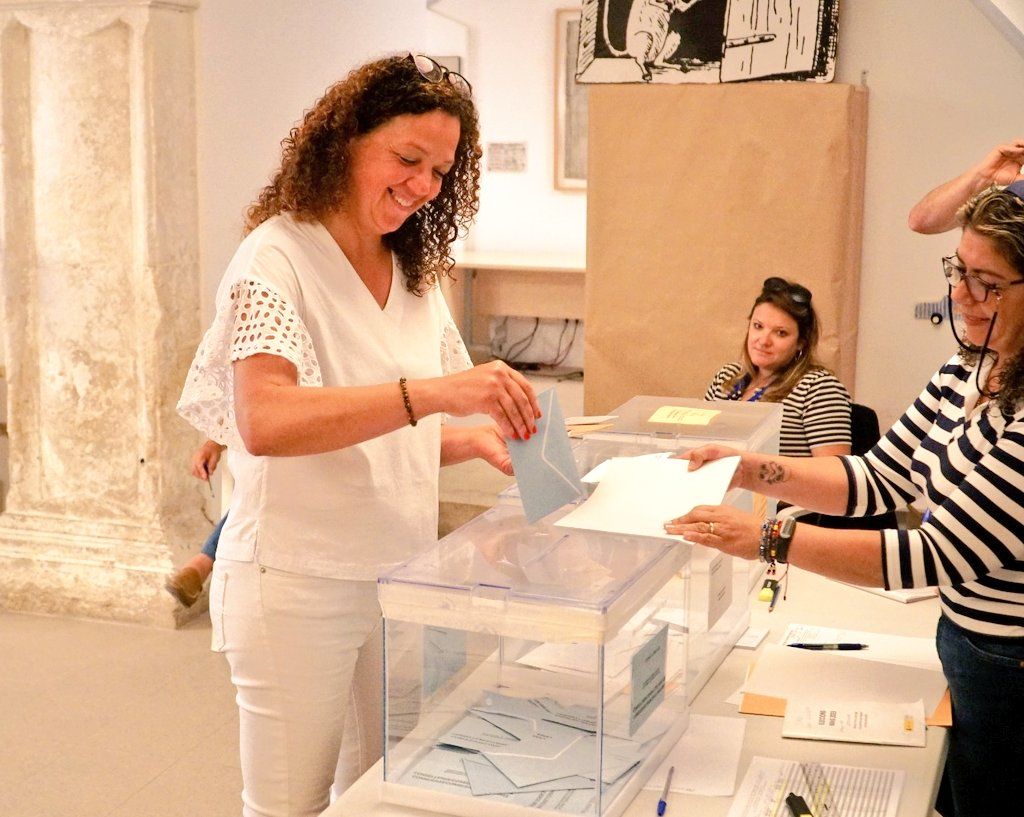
711 528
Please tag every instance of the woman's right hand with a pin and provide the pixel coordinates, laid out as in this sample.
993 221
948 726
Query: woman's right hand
495 389
1002 164
204 460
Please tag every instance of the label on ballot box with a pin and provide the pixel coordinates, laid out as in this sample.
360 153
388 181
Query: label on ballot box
648 681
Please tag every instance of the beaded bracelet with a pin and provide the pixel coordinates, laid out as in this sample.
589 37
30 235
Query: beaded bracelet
764 546
405 399
773 547
768 547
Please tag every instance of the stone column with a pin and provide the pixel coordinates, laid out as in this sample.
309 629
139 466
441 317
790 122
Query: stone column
100 278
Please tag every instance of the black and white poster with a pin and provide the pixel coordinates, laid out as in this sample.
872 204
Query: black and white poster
707 41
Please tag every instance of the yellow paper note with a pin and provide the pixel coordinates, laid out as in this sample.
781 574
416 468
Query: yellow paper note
684 416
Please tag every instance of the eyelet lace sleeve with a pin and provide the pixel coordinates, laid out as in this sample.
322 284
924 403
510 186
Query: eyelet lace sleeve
253 319
454 355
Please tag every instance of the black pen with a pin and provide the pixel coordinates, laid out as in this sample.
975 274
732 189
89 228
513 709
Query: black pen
797 806
842 646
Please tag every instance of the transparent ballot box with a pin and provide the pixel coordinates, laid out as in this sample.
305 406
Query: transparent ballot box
721 585
532 669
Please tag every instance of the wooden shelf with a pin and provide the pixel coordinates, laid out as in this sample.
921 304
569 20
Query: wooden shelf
521 261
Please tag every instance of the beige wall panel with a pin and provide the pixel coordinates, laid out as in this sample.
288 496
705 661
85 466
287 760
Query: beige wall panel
696 194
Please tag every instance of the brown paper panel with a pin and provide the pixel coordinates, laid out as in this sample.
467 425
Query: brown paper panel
696 194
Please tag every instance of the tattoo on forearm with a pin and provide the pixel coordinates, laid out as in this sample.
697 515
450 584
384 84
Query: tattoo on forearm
772 472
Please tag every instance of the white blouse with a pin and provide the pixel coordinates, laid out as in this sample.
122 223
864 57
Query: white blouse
349 514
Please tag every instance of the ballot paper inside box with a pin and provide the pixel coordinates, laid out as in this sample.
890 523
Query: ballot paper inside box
532 669
646 426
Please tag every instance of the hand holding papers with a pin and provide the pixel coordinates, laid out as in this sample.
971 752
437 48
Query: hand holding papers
544 466
637 495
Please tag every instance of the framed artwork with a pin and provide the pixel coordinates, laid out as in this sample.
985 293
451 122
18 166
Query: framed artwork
570 105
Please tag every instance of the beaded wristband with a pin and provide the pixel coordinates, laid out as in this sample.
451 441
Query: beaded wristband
773 545
405 399
765 543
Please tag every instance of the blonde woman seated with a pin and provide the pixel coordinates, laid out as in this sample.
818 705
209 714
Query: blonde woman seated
778 365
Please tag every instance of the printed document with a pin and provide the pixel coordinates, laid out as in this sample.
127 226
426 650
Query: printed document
891 724
850 791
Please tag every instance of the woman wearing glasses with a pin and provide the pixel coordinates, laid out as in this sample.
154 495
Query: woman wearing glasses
957 453
327 369
777 364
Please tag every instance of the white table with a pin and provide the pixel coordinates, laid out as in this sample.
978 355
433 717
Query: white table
811 600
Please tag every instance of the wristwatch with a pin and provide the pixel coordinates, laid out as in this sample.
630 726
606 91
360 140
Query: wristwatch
786 530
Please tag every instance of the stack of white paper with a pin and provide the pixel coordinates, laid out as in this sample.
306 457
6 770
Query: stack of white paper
793 674
638 495
890 649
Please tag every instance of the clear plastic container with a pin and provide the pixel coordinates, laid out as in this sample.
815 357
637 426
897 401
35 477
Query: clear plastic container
721 585
533 669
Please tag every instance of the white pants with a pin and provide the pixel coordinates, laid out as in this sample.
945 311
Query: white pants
305 657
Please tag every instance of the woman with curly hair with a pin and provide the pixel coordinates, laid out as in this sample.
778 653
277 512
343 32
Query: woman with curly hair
326 372
957 454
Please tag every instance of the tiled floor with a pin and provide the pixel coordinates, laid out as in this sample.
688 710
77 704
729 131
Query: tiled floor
115 720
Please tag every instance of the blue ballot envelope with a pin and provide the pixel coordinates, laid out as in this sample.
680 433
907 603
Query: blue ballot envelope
544 465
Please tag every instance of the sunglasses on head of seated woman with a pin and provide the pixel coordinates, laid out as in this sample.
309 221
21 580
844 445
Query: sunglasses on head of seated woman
432 71
797 294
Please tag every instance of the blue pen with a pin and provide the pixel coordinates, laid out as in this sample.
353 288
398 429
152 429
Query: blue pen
663 801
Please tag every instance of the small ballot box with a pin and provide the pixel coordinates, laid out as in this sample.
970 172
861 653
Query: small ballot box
720 589
533 669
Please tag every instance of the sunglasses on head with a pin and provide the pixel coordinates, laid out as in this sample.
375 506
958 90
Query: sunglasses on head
432 71
797 294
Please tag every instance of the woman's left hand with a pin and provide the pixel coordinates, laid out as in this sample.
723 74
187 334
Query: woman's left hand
492 448
720 526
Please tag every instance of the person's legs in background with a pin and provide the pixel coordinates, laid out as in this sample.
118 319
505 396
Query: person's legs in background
986 752
186 583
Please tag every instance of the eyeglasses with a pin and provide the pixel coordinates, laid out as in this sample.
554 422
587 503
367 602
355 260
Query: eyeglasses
432 71
797 294
978 289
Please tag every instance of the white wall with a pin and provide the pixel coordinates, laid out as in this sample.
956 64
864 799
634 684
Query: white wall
512 68
1008 17
261 64
945 87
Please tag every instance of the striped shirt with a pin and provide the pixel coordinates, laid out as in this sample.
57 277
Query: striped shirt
816 412
966 468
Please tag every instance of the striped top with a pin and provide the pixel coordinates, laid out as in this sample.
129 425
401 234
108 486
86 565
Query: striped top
816 412
965 466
